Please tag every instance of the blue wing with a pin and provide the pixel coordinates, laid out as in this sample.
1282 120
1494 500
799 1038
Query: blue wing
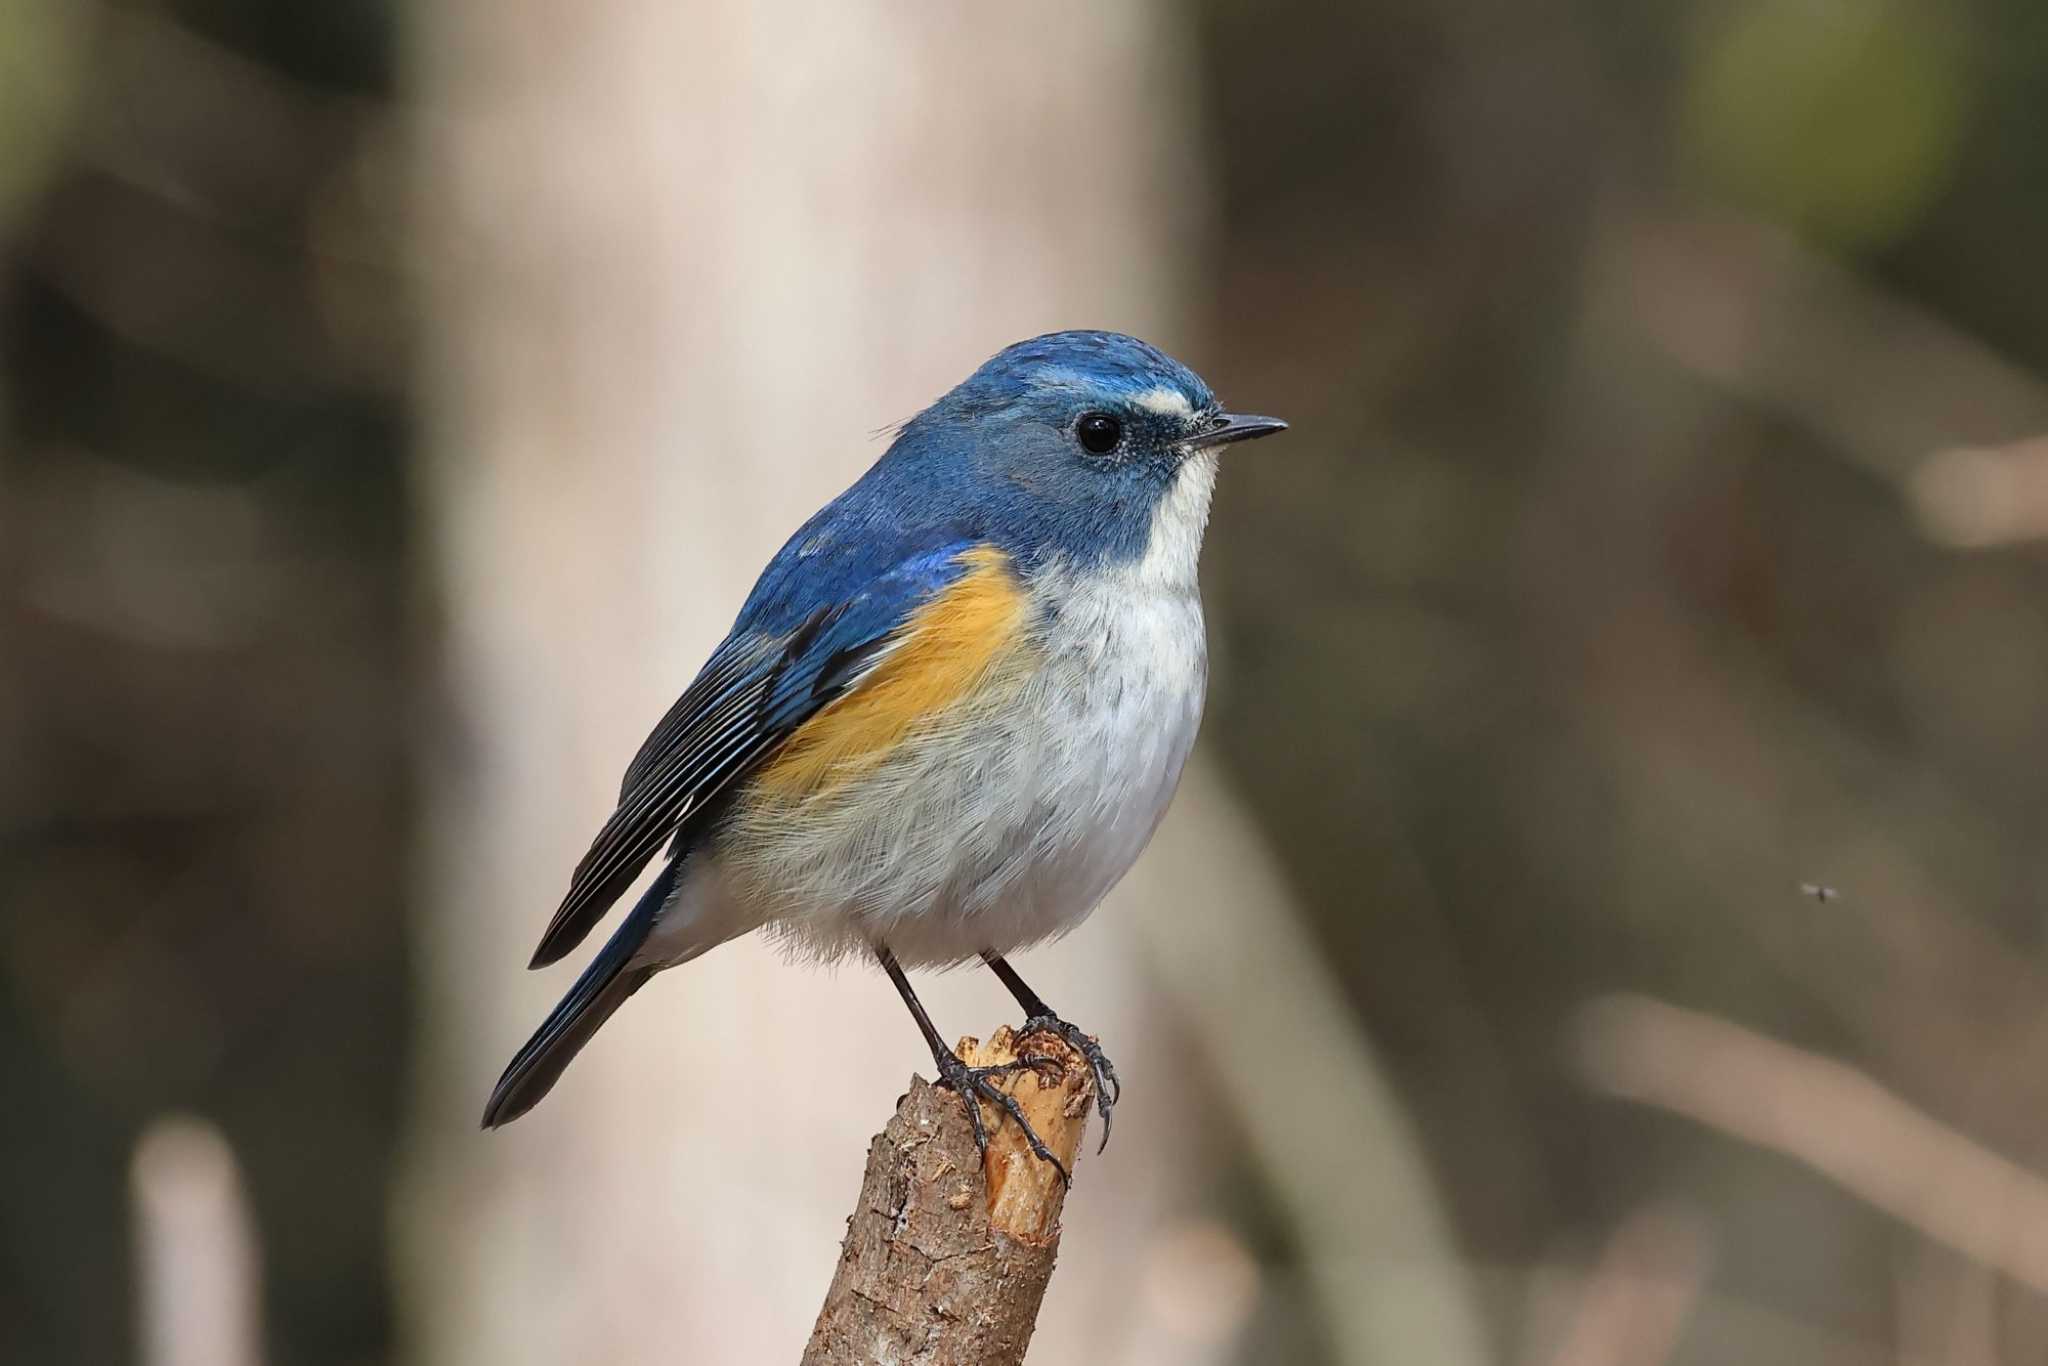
823 611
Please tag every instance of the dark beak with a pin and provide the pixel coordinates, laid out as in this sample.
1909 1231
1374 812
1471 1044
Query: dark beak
1225 428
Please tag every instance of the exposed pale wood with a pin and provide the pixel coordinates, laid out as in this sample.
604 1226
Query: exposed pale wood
947 1256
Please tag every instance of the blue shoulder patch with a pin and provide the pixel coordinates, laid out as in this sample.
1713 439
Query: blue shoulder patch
839 635
878 540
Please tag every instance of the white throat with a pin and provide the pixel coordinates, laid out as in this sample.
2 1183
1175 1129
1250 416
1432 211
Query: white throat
1175 546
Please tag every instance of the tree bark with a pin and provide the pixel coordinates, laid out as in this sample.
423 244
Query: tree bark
947 1255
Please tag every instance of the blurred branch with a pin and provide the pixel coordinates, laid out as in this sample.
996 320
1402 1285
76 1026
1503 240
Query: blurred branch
1891 386
1323 1123
195 1249
1751 309
1829 1116
201 125
241 222
1975 496
1646 1285
941 1265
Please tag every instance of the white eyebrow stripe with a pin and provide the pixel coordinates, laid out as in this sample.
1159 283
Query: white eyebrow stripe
1165 402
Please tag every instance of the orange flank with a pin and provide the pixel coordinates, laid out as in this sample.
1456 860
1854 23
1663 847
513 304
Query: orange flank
951 648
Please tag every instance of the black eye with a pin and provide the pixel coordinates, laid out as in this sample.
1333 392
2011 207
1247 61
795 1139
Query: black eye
1099 433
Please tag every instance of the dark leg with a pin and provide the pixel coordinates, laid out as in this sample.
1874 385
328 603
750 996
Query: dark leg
968 1082
1041 1018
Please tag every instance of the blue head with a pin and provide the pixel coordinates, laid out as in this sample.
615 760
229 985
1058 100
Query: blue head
1078 450
1088 446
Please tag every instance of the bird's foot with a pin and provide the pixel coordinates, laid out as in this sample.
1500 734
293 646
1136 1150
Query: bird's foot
976 1084
1108 1090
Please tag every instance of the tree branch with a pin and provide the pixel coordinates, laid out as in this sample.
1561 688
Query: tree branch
946 1258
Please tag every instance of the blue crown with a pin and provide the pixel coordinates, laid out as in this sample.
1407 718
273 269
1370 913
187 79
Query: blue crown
1106 363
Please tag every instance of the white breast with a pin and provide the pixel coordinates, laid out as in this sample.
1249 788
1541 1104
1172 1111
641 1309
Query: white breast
1010 825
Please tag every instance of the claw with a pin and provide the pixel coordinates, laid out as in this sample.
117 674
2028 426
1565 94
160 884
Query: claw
1108 1090
970 1083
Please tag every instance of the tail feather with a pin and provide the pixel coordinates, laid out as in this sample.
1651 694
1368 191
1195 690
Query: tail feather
602 989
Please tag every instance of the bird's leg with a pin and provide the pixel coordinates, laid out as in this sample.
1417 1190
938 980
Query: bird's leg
1042 1018
972 1084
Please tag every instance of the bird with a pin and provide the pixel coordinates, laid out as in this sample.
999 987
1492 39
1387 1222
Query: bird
948 717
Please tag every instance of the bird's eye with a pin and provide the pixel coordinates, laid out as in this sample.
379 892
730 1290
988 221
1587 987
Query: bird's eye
1099 433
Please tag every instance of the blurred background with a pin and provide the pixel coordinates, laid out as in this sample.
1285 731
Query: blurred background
1605 924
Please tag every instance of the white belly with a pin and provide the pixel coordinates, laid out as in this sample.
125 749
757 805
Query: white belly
1005 831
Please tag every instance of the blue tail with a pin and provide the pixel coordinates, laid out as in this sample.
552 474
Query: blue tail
602 989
